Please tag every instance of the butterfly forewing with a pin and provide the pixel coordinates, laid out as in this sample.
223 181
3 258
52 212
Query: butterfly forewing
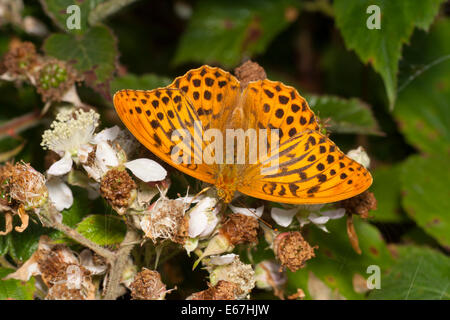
154 116
212 92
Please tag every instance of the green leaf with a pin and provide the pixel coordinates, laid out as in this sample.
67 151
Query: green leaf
336 263
94 54
142 82
423 106
23 245
387 188
419 273
57 11
226 31
79 208
383 47
346 115
102 229
15 289
425 194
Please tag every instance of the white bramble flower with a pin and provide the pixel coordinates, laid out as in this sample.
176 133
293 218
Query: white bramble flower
72 136
203 218
306 214
360 156
71 130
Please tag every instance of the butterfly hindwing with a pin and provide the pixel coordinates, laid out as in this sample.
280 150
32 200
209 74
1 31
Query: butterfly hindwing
153 116
273 105
311 169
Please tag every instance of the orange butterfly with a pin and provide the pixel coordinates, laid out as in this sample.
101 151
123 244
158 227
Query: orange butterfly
311 168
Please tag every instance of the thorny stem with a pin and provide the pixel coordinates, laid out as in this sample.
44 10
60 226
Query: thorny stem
50 211
105 253
113 288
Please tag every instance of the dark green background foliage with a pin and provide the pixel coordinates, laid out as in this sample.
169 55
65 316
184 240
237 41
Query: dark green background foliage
387 90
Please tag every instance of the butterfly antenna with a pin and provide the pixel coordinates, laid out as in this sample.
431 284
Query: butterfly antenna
258 218
198 194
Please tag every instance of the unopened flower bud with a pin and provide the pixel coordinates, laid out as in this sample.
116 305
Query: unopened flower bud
360 156
217 245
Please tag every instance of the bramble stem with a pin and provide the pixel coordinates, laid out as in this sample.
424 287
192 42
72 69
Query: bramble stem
49 213
113 288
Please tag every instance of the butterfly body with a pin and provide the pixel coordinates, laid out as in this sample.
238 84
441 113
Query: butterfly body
207 104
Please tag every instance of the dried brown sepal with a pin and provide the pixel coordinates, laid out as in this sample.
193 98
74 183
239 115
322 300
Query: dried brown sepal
352 236
249 71
223 290
20 59
360 205
8 224
182 233
6 172
239 228
292 250
116 186
299 295
147 285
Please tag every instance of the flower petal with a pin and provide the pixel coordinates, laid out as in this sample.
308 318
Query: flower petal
62 166
83 152
283 217
223 259
87 261
334 214
197 223
106 155
59 193
147 170
251 212
213 220
108 134
316 219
